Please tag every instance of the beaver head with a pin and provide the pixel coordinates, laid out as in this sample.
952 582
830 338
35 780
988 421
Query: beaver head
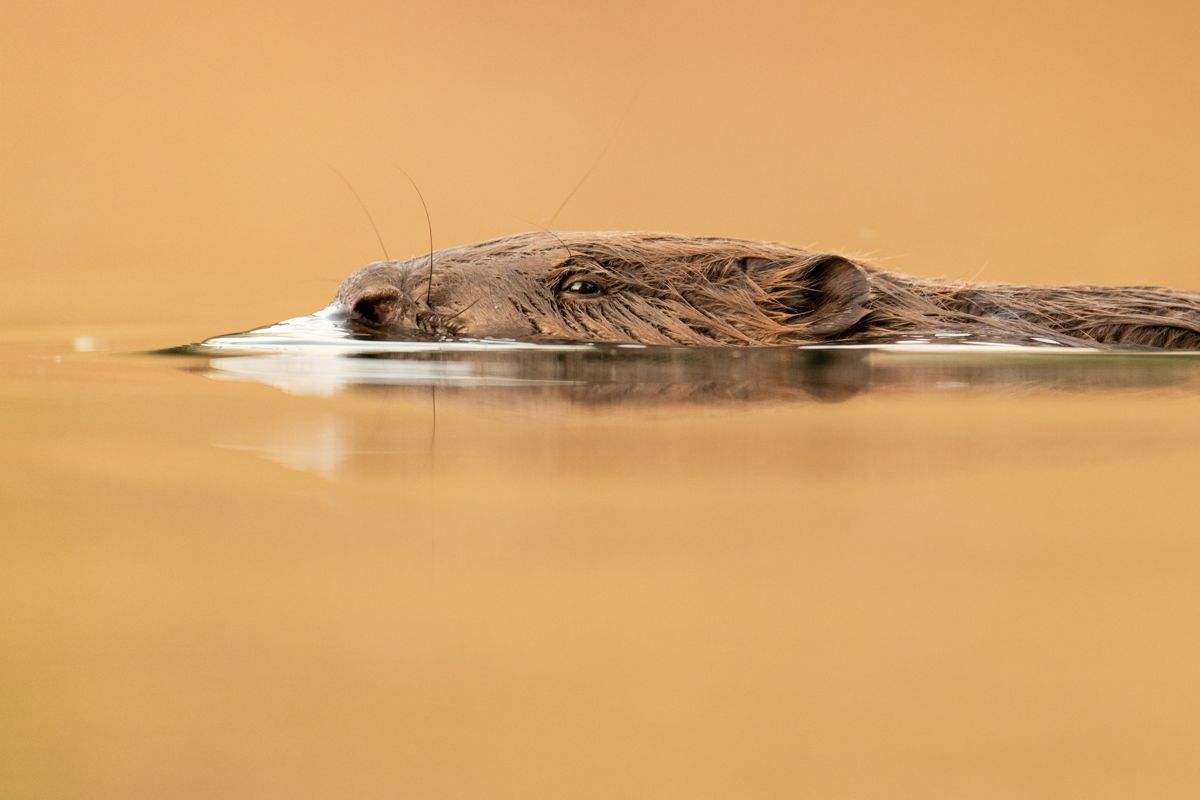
612 287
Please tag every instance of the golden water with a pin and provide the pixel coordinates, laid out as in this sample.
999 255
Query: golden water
592 573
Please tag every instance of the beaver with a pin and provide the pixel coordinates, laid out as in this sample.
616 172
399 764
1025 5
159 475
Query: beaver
664 289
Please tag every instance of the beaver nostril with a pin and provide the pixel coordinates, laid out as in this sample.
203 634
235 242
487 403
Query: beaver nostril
377 306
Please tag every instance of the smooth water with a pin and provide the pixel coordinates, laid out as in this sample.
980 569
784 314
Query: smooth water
304 565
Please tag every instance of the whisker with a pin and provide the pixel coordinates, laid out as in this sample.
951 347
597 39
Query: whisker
463 311
363 206
428 226
546 230
560 241
432 495
611 138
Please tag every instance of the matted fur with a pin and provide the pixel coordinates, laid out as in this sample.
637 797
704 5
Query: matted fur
667 289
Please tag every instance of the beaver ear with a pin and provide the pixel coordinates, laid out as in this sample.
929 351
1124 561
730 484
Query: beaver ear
827 295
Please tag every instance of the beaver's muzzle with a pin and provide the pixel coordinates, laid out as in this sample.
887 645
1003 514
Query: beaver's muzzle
377 306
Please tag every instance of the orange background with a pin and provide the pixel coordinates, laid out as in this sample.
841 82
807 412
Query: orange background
169 161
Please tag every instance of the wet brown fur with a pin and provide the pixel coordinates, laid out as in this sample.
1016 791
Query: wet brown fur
667 289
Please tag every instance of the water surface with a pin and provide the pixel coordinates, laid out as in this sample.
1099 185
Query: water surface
309 566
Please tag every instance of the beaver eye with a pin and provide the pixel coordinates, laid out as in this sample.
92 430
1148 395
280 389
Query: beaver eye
581 287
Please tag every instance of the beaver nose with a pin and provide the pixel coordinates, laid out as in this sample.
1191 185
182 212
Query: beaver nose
377 305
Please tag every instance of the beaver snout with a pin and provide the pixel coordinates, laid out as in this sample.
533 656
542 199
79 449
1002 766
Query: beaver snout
381 295
377 306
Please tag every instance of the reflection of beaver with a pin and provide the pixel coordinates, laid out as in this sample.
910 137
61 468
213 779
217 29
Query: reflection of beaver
664 289
538 378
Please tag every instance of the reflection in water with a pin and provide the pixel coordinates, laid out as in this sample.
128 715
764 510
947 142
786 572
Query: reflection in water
527 380
586 375
314 356
317 444
600 376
